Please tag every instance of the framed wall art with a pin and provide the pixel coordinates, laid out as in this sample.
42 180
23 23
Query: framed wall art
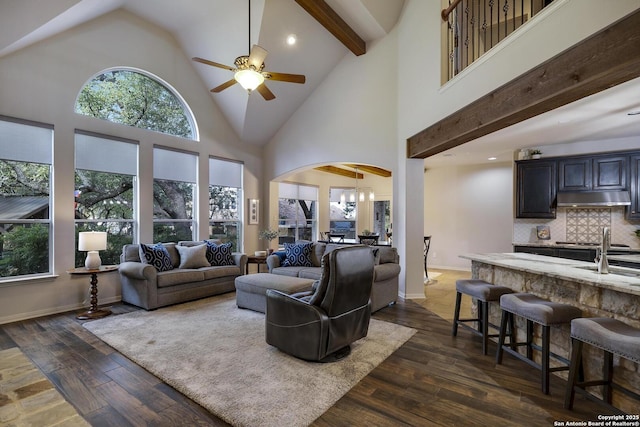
254 211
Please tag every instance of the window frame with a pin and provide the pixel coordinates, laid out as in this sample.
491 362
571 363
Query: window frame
296 192
175 177
195 133
228 181
20 157
130 170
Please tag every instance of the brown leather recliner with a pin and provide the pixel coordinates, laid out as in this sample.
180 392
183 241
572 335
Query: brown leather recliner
321 325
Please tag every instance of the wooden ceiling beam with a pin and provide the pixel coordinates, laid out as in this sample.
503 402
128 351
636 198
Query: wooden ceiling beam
372 169
339 171
604 60
330 20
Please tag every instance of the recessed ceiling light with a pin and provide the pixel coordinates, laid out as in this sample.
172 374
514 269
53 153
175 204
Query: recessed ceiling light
492 158
291 39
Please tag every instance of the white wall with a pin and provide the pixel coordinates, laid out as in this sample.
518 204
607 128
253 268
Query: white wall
467 209
41 83
422 102
363 112
351 116
421 99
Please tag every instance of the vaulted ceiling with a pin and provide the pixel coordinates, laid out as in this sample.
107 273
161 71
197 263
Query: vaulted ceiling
218 30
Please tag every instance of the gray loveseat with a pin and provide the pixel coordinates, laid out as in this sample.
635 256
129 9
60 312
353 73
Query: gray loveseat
144 286
385 277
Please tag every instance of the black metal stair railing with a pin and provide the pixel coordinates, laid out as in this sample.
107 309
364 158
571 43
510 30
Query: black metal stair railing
475 26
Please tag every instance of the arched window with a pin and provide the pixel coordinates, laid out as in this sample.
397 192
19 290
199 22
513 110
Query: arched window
134 98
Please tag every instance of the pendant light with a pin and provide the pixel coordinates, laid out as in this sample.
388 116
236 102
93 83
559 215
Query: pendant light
354 194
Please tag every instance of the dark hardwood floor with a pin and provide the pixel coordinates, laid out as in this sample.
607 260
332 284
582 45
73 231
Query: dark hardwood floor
432 380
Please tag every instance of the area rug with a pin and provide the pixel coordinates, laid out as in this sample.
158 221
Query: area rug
216 354
28 398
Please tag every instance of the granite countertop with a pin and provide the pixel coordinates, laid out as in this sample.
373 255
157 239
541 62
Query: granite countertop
573 246
621 279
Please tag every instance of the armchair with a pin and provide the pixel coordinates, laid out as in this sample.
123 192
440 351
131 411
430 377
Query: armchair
321 325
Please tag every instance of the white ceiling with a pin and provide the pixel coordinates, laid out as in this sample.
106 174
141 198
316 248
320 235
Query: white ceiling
218 30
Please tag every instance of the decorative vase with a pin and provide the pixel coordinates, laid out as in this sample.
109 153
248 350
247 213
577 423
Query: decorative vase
535 156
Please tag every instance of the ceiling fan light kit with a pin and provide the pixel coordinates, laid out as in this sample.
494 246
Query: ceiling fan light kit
249 71
249 79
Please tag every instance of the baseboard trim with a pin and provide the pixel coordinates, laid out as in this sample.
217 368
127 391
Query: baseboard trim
54 310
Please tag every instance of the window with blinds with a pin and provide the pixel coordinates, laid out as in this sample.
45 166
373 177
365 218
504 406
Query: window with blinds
26 235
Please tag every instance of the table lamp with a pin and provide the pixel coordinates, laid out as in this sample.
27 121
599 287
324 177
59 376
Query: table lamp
92 242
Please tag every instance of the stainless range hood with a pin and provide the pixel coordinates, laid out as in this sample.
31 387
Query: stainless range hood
593 199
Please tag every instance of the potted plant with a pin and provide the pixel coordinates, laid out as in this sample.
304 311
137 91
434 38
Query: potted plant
268 235
535 154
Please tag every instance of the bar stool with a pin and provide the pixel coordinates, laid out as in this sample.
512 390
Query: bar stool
484 293
539 311
610 335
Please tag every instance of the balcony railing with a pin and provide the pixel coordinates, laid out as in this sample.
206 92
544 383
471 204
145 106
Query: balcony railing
475 26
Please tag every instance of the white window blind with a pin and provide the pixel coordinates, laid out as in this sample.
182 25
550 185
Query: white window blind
225 173
25 142
297 191
336 193
106 155
174 165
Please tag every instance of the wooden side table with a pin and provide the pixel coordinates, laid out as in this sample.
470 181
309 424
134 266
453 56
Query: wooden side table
252 259
94 312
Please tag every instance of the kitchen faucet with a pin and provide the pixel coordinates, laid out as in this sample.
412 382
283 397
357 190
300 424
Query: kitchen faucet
601 252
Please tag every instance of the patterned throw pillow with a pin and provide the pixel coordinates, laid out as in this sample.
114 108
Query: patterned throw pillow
298 255
156 255
219 254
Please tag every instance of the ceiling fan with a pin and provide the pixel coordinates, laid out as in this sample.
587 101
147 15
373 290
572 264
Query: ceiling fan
249 70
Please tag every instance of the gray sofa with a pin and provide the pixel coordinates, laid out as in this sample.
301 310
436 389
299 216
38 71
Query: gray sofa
144 286
385 277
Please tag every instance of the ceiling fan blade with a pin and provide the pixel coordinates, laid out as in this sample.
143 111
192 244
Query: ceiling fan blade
257 56
223 86
284 77
265 92
214 64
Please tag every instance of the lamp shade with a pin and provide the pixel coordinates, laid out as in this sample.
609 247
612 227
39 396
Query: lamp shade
92 241
249 79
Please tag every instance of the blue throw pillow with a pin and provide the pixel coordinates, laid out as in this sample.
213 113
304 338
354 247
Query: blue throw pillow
156 255
219 254
298 255
281 254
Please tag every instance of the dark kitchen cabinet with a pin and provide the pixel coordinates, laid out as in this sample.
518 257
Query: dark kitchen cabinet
574 174
535 250
633 212
610 173
536 188
592 173
577 254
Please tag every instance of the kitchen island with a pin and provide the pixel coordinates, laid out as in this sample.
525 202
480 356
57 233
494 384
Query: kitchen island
577 283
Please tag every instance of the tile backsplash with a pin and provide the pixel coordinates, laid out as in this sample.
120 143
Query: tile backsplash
579 225
585 225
